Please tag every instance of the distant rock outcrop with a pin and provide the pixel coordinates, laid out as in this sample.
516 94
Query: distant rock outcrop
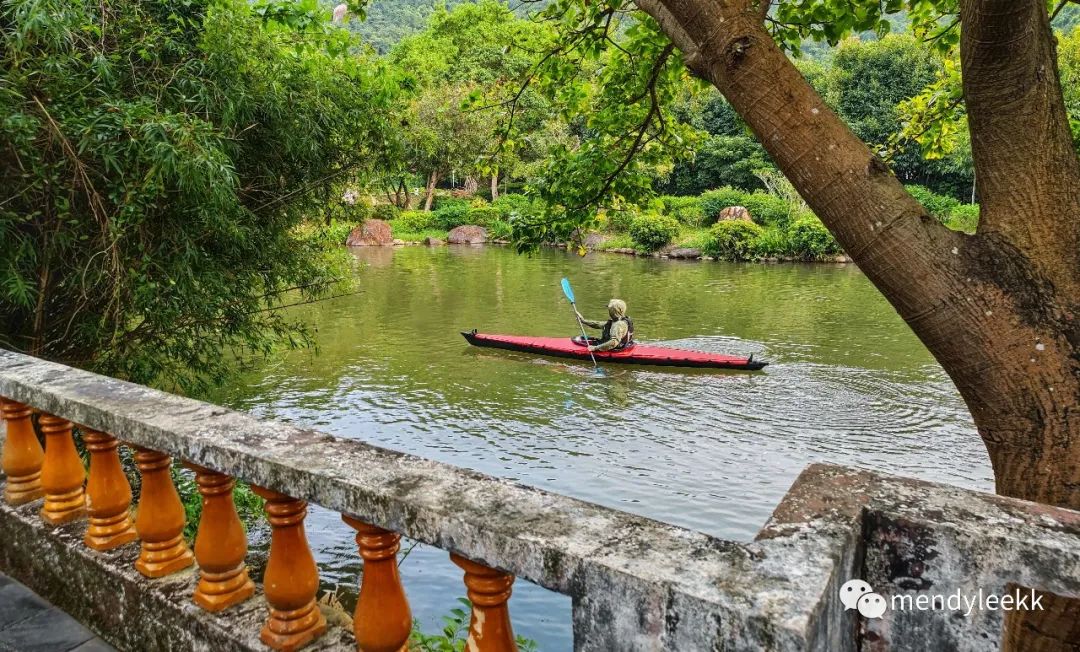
372 233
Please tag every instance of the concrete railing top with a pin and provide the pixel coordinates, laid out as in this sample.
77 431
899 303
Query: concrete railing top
637 583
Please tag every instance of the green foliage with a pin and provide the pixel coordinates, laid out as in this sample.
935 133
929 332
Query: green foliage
455 633
619 98
499 229
831 20
483 215
773 242
451 213
416 221
810 240
939 206
719 161
619 221
768 210
385 212
157 157
511 206
964 217
651 231
714 201
329 235
687 210
733 240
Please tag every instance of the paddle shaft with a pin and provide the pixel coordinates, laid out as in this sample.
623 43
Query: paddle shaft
582 327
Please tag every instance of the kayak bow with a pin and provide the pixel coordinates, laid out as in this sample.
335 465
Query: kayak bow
565 347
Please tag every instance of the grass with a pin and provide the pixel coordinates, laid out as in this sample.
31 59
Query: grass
418 236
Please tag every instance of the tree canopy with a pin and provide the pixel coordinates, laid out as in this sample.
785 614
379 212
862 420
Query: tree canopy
157 157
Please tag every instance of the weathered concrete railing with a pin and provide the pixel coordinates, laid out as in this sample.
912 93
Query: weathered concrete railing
636 584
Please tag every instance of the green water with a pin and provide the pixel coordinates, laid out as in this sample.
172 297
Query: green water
712 451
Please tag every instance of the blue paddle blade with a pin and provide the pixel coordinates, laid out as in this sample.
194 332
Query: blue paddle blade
567 291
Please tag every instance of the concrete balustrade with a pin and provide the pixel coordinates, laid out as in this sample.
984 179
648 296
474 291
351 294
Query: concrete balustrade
636 584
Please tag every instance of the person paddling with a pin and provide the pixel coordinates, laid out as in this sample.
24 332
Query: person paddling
616 333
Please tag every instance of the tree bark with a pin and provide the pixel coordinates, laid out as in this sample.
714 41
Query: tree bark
1000 310
494 185
429 197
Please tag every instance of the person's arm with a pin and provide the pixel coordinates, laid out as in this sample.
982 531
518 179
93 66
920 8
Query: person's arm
618 332
588 322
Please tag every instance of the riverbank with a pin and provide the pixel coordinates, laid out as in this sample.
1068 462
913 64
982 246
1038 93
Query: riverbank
722 224
689 246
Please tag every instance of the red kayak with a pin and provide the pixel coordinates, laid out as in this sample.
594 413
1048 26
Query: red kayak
566 347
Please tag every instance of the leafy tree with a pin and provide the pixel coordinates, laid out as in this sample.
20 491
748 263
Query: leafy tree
155 157
719 161
865 83
484 48
997 308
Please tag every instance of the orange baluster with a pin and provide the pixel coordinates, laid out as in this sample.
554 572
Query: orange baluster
62 474
220 545
488 590
22 456
108 494
160 519
291 579
382 622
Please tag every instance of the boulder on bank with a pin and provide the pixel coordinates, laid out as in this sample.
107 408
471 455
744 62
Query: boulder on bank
372 233
592 240
433 242
735 213
688 253
468 234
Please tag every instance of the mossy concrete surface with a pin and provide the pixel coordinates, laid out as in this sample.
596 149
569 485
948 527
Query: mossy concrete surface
636 583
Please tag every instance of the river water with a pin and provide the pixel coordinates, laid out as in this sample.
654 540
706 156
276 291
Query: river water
713 451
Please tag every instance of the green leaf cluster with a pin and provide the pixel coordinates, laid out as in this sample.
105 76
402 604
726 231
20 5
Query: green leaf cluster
156 159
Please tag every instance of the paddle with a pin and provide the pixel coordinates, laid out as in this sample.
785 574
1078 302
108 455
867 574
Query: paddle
569 292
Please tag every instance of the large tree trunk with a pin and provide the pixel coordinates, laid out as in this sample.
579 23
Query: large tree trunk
429 196
999 309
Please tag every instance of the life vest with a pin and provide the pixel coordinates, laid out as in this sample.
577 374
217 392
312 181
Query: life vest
626 341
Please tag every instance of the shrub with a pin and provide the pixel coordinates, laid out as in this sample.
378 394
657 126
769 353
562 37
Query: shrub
964 217
733 240
415 221
484 215
687 210
810 239
620 221
451 214
385 212
939 206
652 231
768 210
714 201
514 205
772 243
500 230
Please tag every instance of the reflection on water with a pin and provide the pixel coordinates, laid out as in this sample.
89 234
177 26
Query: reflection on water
713 451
